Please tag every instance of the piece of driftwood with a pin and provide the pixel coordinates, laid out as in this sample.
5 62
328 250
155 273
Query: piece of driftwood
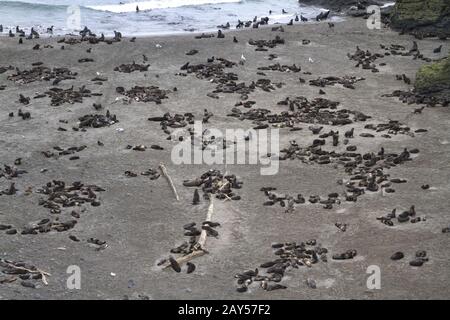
169 179
199 248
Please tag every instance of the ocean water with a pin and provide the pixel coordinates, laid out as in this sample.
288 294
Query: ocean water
154 17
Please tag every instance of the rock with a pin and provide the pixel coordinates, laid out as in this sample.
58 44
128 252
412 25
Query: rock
426 17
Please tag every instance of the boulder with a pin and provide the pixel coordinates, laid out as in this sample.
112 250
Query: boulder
426 17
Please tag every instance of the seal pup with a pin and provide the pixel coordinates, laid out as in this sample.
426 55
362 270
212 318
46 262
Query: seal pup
137 8
220 34
1 28
283 11
196 199
11 34
296 18
291 23
303 18
50 30
235 40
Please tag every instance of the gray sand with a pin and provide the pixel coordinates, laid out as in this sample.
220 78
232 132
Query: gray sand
139 218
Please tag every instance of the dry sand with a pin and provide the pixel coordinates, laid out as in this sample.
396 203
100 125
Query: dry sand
139 218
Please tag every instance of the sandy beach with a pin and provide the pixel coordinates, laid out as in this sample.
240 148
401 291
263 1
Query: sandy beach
139 218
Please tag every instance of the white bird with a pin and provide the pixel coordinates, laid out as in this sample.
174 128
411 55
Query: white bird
310 60
158 45
98 73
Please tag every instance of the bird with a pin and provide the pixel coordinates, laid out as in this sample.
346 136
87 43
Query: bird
144 57
158 46
50 30
310 60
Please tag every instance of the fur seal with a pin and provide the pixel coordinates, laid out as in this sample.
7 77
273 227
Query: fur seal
220 34
303 18
190 267
322 16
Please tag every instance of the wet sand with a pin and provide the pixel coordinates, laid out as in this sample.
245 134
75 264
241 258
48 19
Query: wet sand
139 218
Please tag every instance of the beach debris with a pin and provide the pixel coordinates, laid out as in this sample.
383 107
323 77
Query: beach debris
196 247
144 94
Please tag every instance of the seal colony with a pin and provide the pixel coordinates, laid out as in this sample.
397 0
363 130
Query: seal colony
362 175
